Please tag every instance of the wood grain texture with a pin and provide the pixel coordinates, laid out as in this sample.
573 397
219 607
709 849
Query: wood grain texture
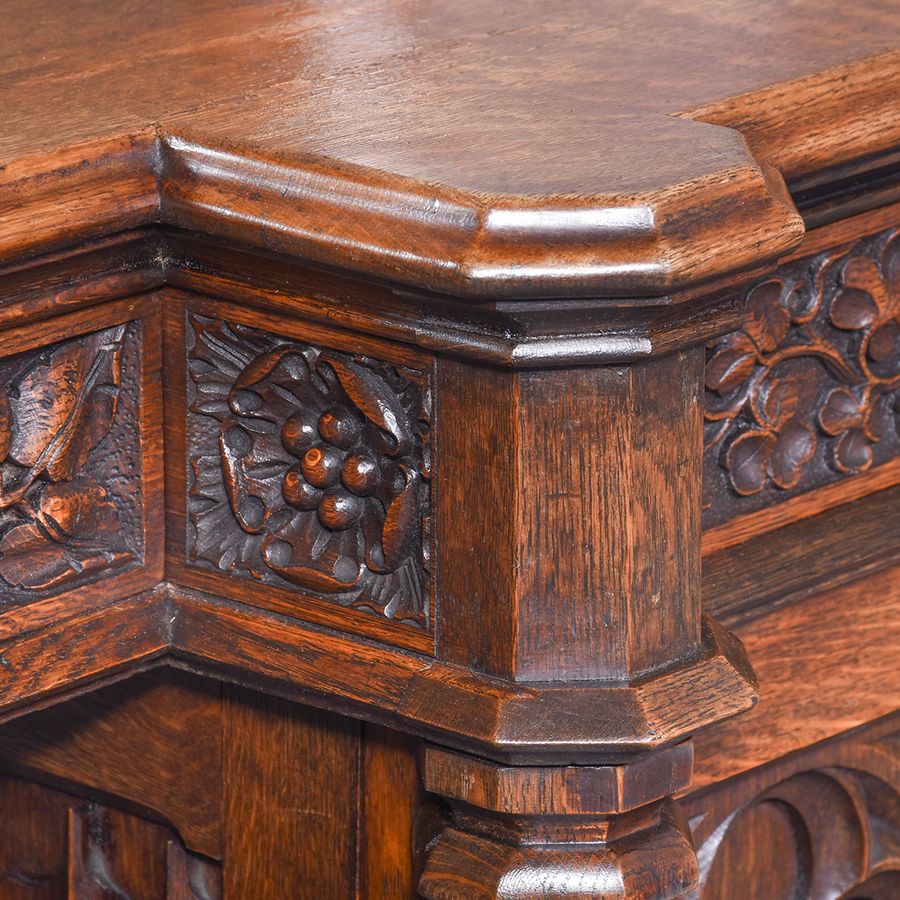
311 469
821 822
451 704
92 741
827 664
521 190
543 462
54 846
291 781
544 790
391 796
34 849
647 856
112 853
543 212
773 569
80 445
211 540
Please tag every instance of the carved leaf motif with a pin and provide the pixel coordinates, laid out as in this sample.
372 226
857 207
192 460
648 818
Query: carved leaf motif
783 399
768 321
826 335
884 345
794 447
5 427
400 524
731 366
65 510
853 310
748 461
76 530
316 472
853 452
861 274
840 411
374 399
63 408
343 572
260 367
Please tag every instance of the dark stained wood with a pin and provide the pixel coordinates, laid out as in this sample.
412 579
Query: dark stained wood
579 68
545 790
290 804
573 857
594 68
445 702
66 654
34 848
353 355
92 741
385 582
569 622
827 664
391 796
112 853
803 394
80 453
54 846
191 877
433 699
776 568
821 822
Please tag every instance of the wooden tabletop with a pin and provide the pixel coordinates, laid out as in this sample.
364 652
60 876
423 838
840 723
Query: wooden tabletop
483 148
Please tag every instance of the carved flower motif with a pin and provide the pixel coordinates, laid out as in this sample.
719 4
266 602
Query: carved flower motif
324 462
817 360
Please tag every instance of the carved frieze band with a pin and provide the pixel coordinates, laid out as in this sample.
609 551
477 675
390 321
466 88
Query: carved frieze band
311 469
829 829
70 459
807 391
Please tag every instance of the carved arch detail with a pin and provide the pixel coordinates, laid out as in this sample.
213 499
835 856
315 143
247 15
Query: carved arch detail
842 828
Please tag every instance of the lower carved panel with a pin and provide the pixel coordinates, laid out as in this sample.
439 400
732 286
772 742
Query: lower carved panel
823 824
53 845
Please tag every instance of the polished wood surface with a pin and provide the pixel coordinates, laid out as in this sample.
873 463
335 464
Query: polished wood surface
518 136
400 402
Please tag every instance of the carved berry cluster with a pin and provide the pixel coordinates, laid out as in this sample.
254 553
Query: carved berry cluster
324 462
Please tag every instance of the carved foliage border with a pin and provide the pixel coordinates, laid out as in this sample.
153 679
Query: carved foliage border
70 463
310 469
807 391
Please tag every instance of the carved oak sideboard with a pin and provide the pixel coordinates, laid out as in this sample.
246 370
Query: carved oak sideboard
449 450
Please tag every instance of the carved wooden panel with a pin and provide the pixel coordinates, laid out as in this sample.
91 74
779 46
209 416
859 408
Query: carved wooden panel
824 824
55 845
310 469
806 392
71 503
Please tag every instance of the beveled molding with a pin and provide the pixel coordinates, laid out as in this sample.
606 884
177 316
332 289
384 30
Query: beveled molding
427 236
520 334
542 723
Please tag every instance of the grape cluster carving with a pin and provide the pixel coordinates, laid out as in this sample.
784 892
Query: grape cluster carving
323 461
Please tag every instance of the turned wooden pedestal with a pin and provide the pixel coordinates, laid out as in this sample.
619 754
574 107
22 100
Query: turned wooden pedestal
449 450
